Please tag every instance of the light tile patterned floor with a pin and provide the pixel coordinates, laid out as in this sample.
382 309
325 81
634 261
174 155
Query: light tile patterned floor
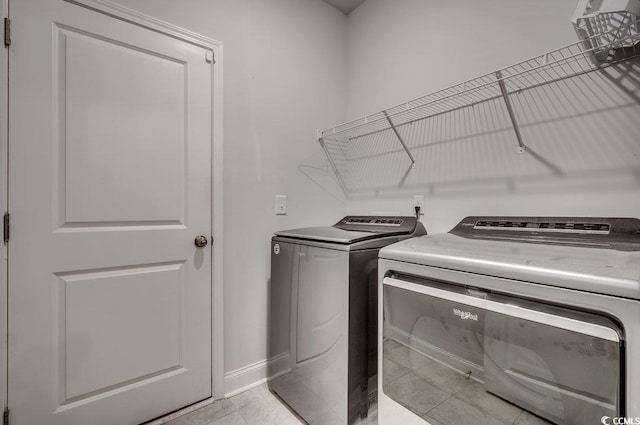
442 396
254 407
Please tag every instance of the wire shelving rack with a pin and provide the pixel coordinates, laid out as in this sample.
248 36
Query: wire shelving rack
381 132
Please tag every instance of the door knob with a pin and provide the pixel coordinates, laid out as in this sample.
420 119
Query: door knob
201 241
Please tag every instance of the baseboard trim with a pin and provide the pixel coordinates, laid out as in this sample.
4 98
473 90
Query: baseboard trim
245 378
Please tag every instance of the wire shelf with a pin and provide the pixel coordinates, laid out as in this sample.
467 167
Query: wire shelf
386 133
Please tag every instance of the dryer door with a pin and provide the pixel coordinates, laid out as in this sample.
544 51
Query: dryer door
451 351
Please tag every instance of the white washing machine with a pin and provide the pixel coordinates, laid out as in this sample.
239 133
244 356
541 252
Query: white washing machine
512 320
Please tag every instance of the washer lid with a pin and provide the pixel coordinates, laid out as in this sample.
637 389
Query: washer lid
598 270
327 234
352 229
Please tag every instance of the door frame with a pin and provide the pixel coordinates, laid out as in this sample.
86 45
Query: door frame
136 18
4 188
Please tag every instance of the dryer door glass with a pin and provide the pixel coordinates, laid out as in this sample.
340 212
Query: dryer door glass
453 354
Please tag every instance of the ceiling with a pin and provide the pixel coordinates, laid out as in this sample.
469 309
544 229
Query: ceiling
345 6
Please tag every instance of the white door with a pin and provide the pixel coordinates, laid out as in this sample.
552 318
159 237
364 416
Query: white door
110 182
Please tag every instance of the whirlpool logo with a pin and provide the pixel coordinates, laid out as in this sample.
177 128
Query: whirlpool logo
606 420
467 315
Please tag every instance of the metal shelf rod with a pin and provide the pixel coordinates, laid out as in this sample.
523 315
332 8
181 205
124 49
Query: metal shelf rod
406 149
512 115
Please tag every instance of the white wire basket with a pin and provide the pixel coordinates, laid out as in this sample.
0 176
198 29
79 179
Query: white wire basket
604 25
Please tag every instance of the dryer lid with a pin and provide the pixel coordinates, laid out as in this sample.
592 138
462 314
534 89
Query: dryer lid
591 268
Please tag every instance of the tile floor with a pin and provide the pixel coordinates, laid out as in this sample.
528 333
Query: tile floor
442 396
254 407
408 377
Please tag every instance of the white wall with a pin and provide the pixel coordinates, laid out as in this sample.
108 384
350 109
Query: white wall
284 77
399 50
407 48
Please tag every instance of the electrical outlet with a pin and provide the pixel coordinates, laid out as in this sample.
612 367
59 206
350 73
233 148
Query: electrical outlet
418 201
281 204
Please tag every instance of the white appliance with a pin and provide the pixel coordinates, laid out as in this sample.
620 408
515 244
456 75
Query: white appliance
322 316
512 320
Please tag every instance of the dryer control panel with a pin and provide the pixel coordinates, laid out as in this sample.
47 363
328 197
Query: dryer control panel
601 232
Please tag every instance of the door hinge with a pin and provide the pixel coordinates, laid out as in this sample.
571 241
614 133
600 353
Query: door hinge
6 227
7 32
209 57
5 416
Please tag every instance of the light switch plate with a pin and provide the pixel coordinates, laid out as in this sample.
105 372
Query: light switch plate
281 204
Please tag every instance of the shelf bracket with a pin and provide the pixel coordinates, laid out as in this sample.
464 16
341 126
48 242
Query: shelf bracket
395 130
505 95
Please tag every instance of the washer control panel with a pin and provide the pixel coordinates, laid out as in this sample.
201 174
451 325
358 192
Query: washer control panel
378 224
375 221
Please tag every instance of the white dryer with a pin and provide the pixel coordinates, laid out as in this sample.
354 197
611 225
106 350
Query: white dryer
512 320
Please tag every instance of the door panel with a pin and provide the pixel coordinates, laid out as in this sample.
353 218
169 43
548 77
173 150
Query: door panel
110 182
97 344
122 120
